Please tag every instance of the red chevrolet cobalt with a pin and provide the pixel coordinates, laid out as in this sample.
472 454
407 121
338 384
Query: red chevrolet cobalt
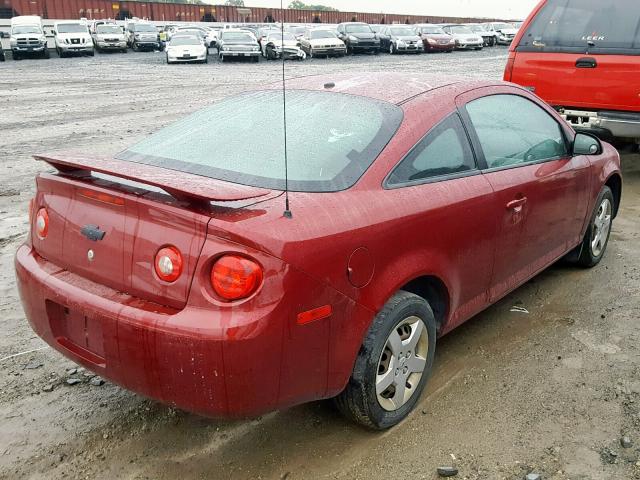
174 270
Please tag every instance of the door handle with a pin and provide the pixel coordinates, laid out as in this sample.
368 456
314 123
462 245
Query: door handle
586 62
516 205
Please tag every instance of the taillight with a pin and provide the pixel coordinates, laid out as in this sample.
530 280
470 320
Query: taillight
168 264
42 224
234 277
508 70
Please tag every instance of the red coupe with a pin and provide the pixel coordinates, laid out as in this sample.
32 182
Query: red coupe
172 269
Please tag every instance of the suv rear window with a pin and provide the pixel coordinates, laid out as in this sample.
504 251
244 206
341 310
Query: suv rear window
332 139
585 26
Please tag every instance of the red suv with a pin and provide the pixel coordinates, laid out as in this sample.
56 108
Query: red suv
583 58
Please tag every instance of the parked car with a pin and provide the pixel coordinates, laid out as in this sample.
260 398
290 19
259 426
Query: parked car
435 39
238 44
190 31
143 36
208 36
489 37
400 39
264 32
503 32
72 38
283 43
463 36
322 42
296 30
109 36
186 49
359 37
237 310
27 37
583 63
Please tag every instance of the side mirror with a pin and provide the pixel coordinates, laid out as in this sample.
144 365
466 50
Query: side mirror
586 144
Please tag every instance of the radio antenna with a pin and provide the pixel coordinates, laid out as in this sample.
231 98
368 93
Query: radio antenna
287 211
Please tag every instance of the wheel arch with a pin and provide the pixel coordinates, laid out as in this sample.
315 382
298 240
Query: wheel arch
435 292
614 182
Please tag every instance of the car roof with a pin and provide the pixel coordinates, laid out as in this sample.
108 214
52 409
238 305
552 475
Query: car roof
390 87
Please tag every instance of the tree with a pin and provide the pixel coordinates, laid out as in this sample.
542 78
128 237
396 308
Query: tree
235 3
300 5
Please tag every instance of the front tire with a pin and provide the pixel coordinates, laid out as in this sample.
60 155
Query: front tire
393 365
595 241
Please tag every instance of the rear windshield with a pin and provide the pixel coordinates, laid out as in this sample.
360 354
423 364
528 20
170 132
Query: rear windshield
581 26
317 34
332 139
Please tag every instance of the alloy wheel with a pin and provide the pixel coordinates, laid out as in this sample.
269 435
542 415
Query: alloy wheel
402 363
601 228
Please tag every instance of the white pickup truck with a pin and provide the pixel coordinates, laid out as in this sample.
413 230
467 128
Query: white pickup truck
27 37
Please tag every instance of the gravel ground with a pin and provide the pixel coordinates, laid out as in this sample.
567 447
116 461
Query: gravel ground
551 391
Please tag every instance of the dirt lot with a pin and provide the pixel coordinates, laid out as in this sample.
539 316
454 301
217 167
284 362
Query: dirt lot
550 391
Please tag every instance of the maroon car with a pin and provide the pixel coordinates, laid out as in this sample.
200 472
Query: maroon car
174 269
435 39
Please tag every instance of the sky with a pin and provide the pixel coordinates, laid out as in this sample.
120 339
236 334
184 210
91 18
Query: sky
512 9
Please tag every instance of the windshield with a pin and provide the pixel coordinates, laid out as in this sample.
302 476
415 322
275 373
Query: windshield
237 36
108 29
144 28
476 28
22 29
503 26
402 31
332 139
461 30
358 29
579 26
432 30
274 37
317 34
71 28
184 40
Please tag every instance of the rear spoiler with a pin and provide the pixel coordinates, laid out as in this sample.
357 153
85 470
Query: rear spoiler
182 186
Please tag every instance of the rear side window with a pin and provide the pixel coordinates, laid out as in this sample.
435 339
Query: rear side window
581 26
443 151
513 131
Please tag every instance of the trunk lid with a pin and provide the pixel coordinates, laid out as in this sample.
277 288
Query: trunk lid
109 230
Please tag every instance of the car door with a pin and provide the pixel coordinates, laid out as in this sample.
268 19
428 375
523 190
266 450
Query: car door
452 218
540 189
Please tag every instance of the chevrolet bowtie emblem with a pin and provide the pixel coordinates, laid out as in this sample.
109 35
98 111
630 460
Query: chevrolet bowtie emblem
93 232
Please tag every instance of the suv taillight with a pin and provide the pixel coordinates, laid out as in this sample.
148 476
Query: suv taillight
508 70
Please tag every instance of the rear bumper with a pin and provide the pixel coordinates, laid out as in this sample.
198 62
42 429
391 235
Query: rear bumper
617 124
237 362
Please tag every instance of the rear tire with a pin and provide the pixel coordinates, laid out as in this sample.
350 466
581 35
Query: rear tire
594 244
387 361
